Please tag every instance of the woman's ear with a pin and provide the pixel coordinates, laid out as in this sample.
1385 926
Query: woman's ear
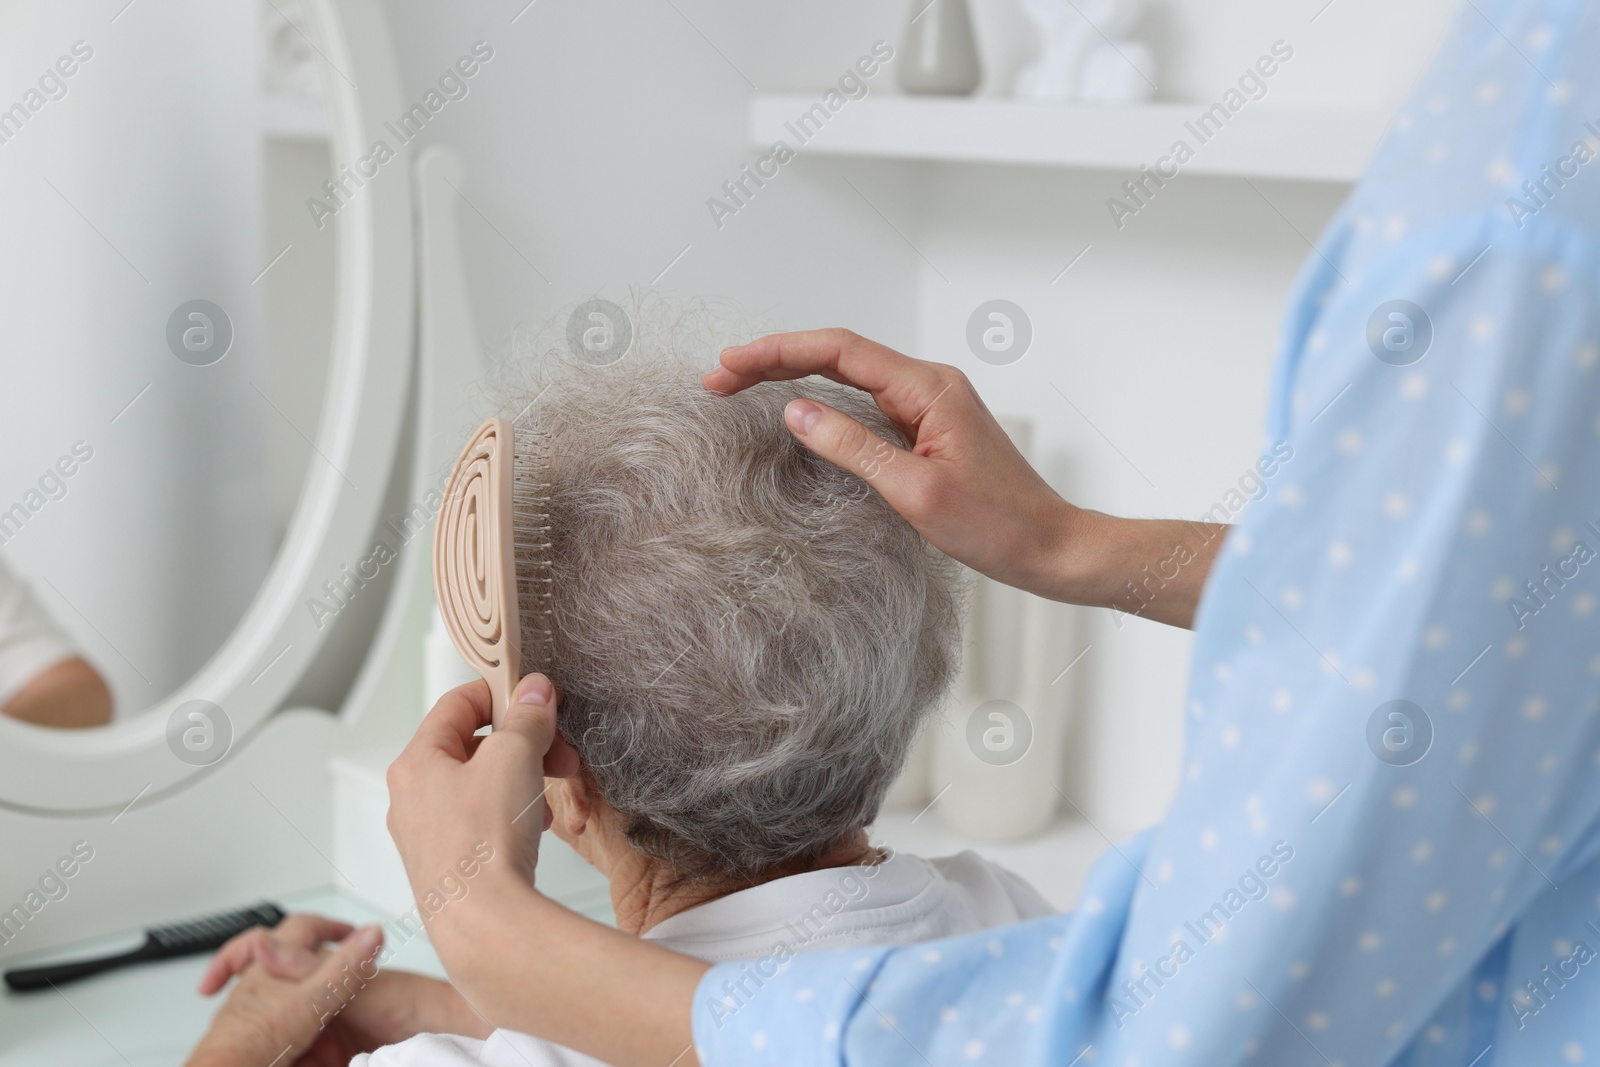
576 807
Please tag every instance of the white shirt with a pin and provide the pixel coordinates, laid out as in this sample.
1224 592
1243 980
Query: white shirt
903 899
30 640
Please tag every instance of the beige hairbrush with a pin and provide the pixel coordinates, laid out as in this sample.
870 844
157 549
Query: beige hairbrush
491 559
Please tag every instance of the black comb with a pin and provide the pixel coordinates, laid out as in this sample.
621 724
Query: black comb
206 934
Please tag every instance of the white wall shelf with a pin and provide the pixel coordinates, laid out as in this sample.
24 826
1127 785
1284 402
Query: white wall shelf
1260 141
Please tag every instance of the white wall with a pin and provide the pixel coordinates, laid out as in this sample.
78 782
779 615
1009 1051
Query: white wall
1161 337
592 141
597 133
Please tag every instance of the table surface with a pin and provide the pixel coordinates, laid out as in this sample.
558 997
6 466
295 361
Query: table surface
147 1015
150 1015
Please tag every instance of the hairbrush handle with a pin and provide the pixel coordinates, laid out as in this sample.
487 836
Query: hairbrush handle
474 563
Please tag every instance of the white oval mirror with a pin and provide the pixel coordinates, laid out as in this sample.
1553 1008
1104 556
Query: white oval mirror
192 466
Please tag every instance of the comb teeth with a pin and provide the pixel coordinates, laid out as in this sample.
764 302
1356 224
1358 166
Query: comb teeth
530 527
211 931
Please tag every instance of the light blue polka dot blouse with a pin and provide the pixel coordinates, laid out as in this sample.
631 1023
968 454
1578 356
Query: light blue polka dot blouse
1385 846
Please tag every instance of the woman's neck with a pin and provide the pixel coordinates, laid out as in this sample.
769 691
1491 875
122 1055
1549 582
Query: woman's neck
644 891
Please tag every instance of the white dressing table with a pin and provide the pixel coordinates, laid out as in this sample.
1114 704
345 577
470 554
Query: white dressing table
151 1016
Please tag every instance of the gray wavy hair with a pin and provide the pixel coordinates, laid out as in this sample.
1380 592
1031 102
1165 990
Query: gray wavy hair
748 639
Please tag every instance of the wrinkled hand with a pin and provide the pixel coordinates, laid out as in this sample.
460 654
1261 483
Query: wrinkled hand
454 796
963 484
392 1005
268 1019
301 931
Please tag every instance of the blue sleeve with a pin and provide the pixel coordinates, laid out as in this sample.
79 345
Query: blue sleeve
1384 846
851 1006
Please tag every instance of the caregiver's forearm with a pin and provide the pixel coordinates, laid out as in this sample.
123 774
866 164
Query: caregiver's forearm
1152 568
531 965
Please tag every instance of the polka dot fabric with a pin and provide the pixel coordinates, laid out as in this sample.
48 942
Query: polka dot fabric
1336 887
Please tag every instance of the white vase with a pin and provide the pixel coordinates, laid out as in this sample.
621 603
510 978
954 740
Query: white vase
1001 755
938 51
997 758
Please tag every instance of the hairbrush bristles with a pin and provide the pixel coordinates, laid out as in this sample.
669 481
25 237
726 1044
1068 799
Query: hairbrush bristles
492 558
530 529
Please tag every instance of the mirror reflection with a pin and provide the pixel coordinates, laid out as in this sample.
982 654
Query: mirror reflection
166 340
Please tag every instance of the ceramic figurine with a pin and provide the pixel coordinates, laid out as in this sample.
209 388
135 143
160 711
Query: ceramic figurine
1084 53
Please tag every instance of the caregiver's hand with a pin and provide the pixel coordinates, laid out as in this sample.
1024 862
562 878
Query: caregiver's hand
966 488
453 796
521 959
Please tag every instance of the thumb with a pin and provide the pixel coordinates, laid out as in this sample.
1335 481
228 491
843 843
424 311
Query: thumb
846 443
532 713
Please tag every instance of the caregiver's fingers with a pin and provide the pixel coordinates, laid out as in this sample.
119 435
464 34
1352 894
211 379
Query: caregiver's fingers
562 759
531 716
903 387
459 714
900 476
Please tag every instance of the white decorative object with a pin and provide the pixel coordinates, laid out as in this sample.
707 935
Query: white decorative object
938 51
289 66
994 765
442 666
1084 53
364 859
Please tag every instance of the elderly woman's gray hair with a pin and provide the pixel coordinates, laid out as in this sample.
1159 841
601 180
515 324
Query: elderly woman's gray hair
747 638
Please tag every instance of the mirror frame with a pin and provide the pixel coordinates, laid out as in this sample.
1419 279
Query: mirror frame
50 771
